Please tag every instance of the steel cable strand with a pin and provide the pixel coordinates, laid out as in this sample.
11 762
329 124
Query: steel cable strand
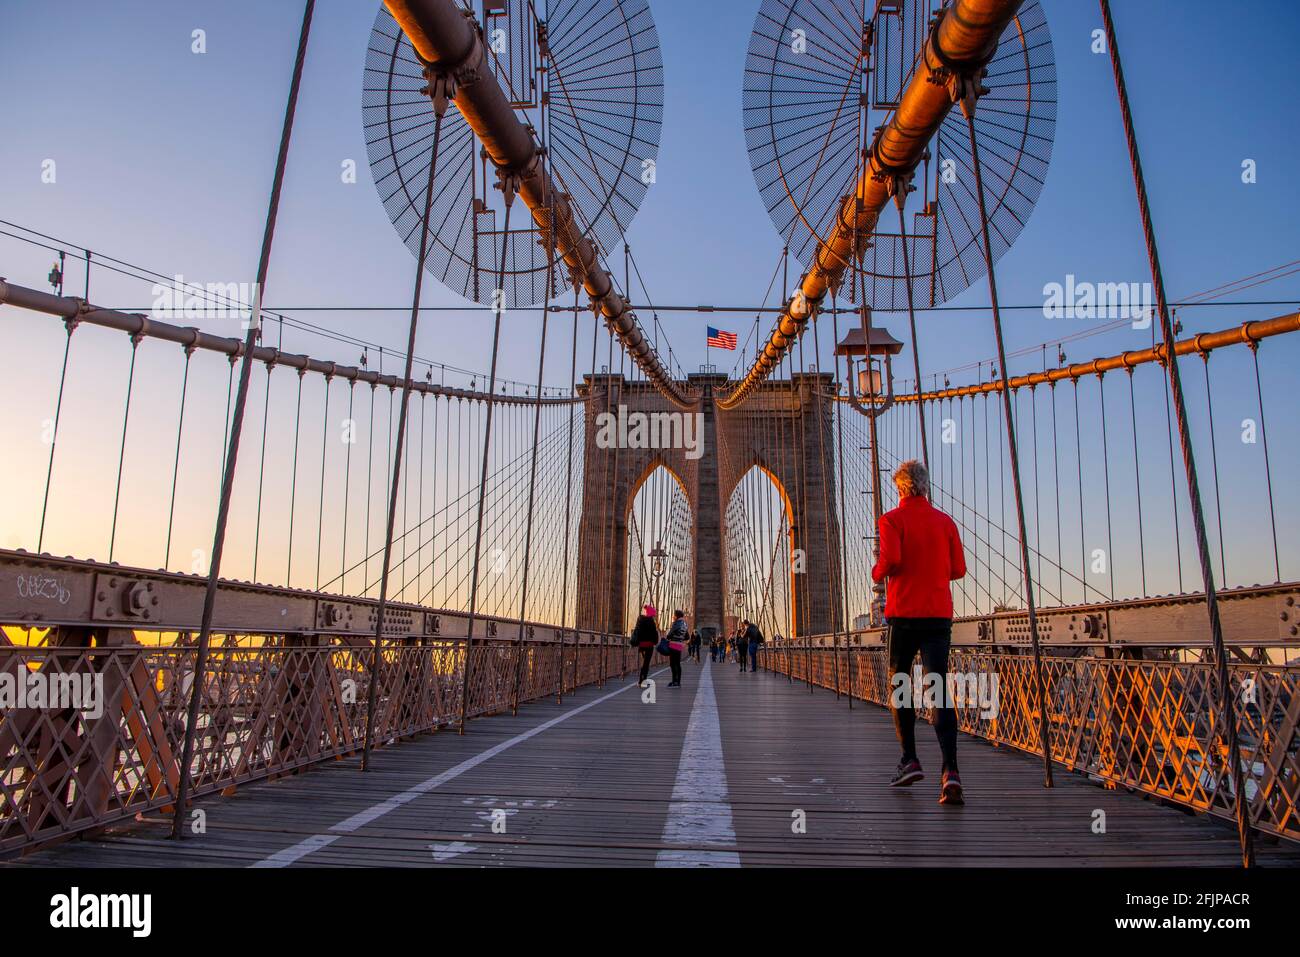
1226 701
968 106
532 474
236 427
395 479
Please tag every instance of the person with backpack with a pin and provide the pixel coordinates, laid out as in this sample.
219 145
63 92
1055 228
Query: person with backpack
920 554
753 638
645 636
677 638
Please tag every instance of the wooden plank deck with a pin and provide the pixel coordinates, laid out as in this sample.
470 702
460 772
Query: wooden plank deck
605 779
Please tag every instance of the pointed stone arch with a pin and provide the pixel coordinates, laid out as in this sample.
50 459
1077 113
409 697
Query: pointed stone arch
799 460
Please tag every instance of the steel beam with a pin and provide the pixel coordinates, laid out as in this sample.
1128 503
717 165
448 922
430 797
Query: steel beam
42 591
1260 616
963 40
450 43
1202 344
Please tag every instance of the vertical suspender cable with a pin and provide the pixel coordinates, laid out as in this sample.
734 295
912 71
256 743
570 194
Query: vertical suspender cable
176 465
1137 478
483 473
1228 706
293 478
532 468
1105 469
1078 461
347 482
121 453
968 107
1214 465
1056 484
376 657
844 519
1173 486
324 446
236 427
1268 470
261 468
69 326
900 199
568 506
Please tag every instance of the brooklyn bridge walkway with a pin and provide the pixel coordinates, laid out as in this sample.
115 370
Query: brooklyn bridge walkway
721 772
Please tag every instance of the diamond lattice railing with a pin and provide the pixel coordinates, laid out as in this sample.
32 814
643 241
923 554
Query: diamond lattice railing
1151 726
269 705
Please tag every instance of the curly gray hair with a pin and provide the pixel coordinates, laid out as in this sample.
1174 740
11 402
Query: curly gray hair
912 479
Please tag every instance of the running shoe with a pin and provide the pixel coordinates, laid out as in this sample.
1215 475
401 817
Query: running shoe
909 772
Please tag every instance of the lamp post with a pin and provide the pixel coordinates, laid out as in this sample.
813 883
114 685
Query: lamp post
877 347
657 556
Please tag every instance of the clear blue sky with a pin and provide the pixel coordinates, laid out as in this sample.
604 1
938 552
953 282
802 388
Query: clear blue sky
165 158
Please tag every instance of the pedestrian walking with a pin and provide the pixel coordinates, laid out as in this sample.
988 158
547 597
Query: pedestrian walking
677 638
920 554
753 638
645 635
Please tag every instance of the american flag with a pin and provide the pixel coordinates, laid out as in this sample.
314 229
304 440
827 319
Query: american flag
721 340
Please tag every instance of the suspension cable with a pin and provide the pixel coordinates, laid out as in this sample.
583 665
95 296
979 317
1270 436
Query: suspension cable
1229 717
382 606
236 428
968 108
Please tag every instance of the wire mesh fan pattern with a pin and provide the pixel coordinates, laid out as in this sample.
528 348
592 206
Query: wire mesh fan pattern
596 99
810 110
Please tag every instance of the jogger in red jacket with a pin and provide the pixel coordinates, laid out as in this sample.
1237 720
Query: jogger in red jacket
920 554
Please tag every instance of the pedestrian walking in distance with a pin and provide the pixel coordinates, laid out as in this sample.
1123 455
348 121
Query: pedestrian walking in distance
645 635
678 636
751 638
920 554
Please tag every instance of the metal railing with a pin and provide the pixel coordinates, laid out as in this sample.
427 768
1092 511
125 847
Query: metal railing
271 705
1147 726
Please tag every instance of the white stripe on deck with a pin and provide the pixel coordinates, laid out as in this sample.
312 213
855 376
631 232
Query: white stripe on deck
700 813
297 852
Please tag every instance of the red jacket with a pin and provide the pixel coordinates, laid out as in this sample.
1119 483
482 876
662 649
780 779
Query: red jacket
920 553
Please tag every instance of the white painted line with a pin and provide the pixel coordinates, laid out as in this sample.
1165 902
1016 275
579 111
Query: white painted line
445 852
297 852
300 850
700 813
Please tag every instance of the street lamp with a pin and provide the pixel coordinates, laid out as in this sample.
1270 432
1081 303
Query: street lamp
657 556
871 343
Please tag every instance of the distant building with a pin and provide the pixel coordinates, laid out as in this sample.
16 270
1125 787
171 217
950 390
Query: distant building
861 622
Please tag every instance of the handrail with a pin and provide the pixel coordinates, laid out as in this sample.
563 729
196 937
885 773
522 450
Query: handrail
1142 725
75 311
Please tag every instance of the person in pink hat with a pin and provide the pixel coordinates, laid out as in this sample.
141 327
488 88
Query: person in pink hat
645 635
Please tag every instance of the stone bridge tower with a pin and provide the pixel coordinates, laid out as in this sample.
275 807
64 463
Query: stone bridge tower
783 429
